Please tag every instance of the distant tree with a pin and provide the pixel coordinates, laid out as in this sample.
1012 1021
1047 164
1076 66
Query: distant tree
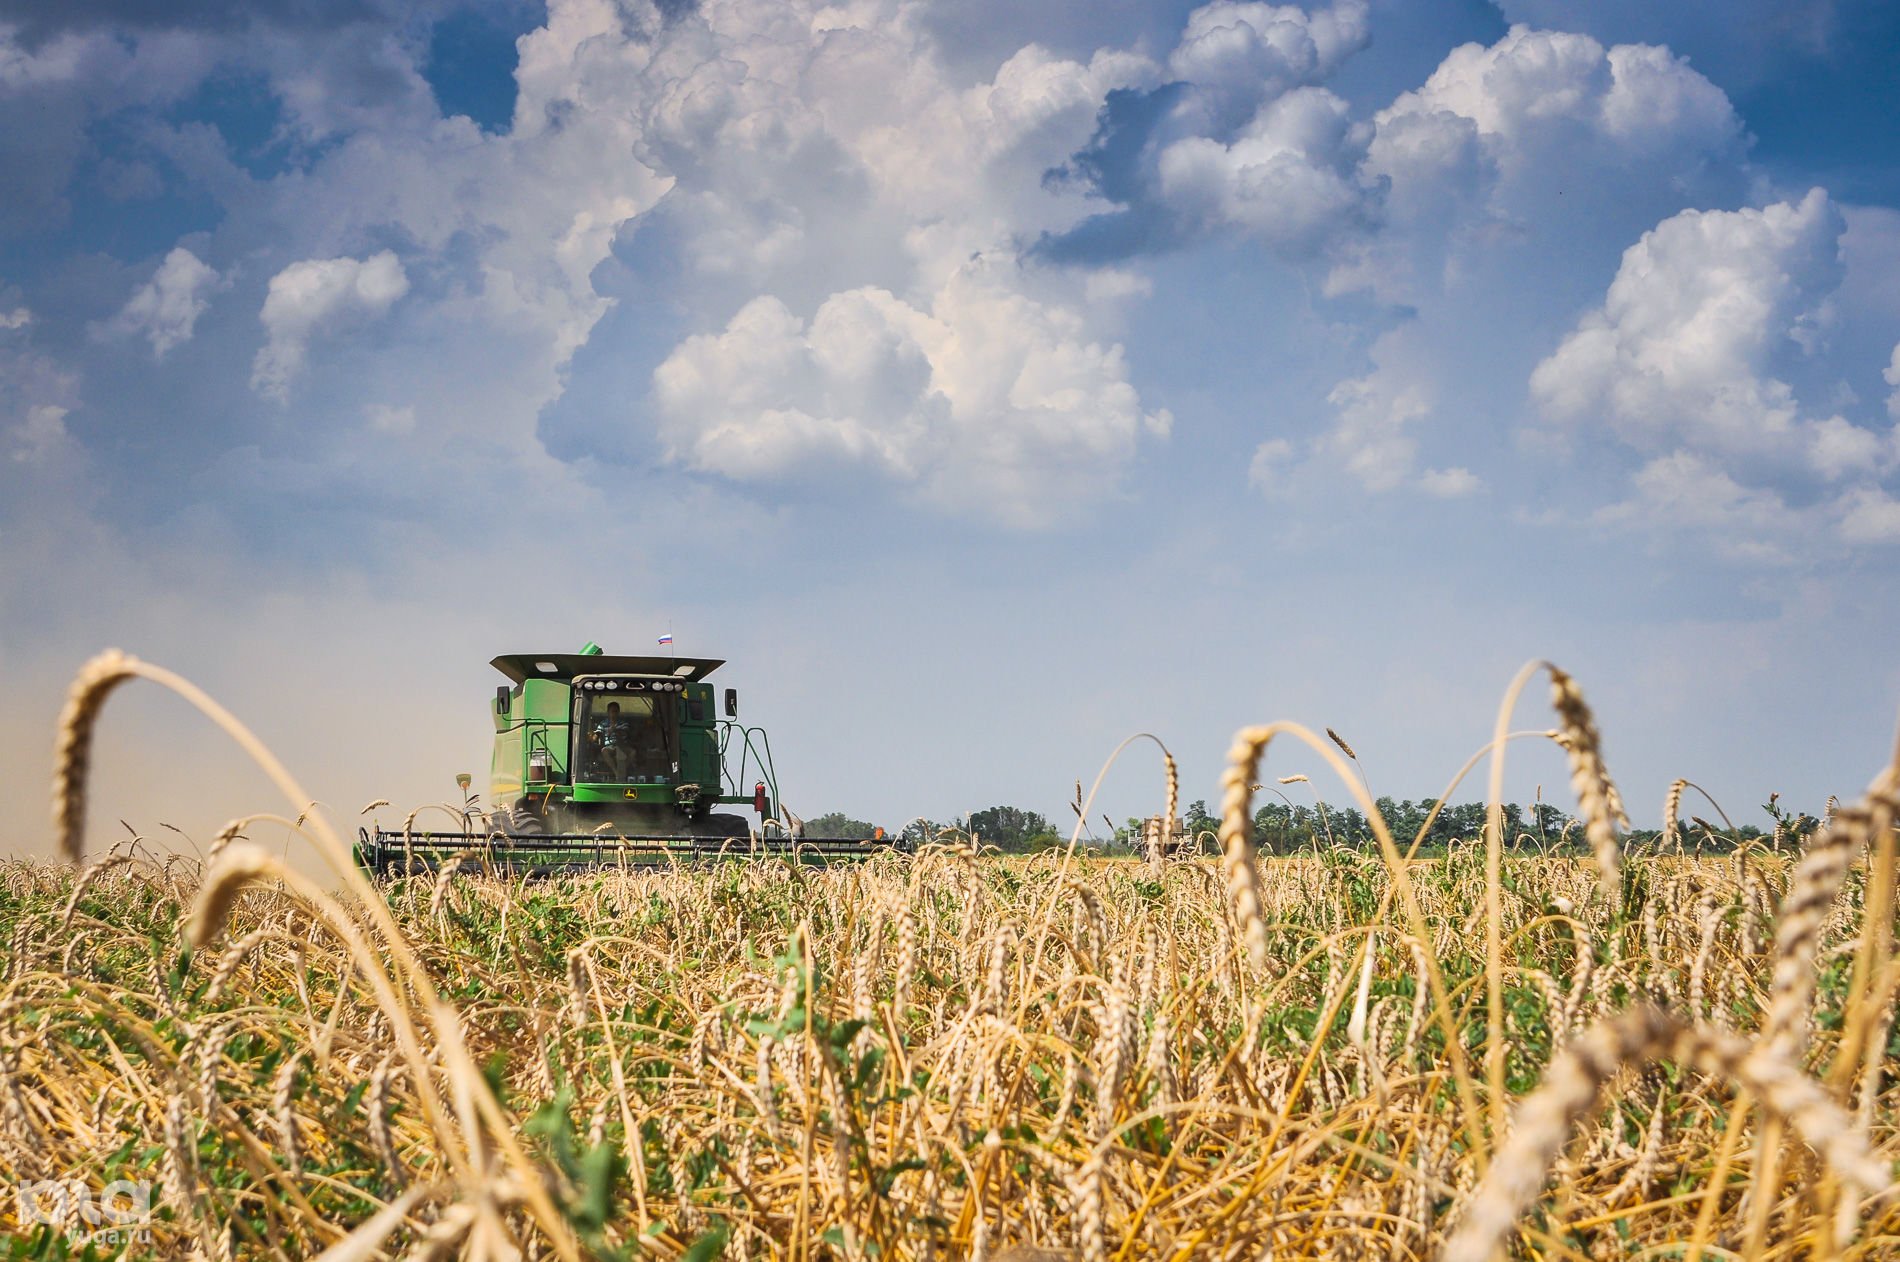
1198 822
921 830
1546 822
838 824
1007 827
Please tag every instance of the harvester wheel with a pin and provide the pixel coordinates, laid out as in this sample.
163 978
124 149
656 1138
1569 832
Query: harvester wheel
523 821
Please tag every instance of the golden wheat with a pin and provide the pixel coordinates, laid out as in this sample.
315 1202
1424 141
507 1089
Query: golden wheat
954 1055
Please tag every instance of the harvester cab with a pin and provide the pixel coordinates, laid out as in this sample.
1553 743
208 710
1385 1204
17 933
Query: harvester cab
601 759
585 740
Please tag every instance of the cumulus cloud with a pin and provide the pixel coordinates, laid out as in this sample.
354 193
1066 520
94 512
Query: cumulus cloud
1683 346
1240 137
1543 132
809 154
166 308
1837 448
1737 43
313 296
1369 439
1687 356
1374 433
1287 177
1238 56
1870 515
845 219
1513 147
986 400
1531 84
1684 491
849 213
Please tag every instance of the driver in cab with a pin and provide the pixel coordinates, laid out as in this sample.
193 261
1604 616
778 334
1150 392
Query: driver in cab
614 736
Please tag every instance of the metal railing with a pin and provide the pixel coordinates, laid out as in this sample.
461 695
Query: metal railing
739 784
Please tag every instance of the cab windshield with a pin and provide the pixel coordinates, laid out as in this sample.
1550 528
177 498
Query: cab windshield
626 738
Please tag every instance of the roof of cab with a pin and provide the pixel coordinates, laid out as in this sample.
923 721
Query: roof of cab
563 667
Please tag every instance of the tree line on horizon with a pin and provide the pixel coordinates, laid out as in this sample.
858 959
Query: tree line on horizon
1285 827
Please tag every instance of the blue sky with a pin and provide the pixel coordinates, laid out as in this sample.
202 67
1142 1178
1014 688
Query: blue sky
986 382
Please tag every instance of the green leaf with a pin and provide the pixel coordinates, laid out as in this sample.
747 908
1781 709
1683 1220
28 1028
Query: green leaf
710 1245
600 1170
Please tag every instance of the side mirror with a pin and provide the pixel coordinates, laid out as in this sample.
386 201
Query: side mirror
732 703
501 699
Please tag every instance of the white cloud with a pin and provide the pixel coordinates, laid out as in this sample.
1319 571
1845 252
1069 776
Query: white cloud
1532 86
1837 448
1683 491
18 318
40 460
987 401
862 213
1287 178
1372 438
1681 349
1239 55
1658 102
1113 284
1372 435
864 202
1891 374
1737 43
1369 438
40 436
310 297
1870 516
1251 142
166 308
1449 484
1508 162
386 418
1543 137
1267 470
1686 356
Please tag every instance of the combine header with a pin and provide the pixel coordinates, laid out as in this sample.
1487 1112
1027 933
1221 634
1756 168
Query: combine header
602 761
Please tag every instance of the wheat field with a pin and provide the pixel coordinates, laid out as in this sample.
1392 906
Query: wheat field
954 1054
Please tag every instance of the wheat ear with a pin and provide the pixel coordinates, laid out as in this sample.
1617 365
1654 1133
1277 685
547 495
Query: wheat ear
72 749
1596 793
240 864
1577 1078
1236 839
1817 879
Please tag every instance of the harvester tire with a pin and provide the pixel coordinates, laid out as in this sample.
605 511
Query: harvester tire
524 822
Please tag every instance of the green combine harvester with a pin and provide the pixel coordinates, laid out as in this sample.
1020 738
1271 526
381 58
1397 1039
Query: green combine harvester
603 761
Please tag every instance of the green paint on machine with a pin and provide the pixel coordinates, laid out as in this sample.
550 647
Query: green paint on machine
600 758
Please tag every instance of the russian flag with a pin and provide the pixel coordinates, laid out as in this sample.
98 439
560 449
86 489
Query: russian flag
667 638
